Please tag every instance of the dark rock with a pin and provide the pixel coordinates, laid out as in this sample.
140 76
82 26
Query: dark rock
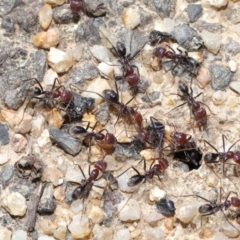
63 14
232 46
210 27
65 141
221 76
146 16
87 33
95 8
187 37
47 204
6 174
6 6
194 12
166 207
166 8
83 72
153 96
4 136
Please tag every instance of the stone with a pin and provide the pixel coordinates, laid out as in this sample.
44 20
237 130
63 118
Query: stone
154 233
38 123
6 174
59 61
131 18
44 139
63 14
45 16
19 143
212 41
166 8
130 212
96 215
8 6
229 230
232 46
156 193
19 235
4 136
233 66
60 232
14 203
4 158
47 40
96 86
47 226
106 70
151 216
45 237
77 206
218 98
203 77
49 77
78 52
220 236
102 232
79 227
235 86
101 53
221 76
187 37
218 3
5 234
194 12
122 234
73 175
187 212
52 174
54 118
25 125
68 143
54 3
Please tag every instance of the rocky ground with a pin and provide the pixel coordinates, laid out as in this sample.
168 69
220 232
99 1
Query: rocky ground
40 155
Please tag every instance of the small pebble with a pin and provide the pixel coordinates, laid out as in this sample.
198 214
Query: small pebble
73 175
77 206
96 215
131 18
229 230
136 233
19 143
212 180
45 15
130 212
38 123
122 234
6 174
14 203
60 61
168 24
156 193
45 237
5 234
52 174
47 39
220 236
218 3
203 77
154 233
25 125
212 41
3 158
187 212
49 77
60 233
54 118
4 136
152 216
106 69
235 86
169 223
44 139
194 12
232 66
218 98
77 53
101 53
47 226
55 2
102 232
19 235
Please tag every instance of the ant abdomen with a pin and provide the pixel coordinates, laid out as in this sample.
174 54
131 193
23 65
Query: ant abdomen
235 201
100 165
121 49
78 192
236 157
163 163
111 96
211 158
160 52
206 208
135 180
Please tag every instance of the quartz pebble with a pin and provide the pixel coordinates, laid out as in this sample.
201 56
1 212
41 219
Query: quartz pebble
96 215
79 227
47 226
203 77
3 158
98 86
229 230
235 86
60 233
212 41
187 212
130 212
218 3
220 236
14 203
19 143
232 66
19 235
122 234
60 61
131 18
45 15
154 233
73 175
218 97
54 118
48 39
25 125
77 206
156 193
5 234
77 53
52 174
37 126
101 53
50 77
55 2
106 69
44 139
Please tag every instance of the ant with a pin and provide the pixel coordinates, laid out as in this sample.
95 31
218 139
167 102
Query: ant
199 113
213 207
186 62
156 37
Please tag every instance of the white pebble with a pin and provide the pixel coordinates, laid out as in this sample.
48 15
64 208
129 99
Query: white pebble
59 61
218 97
53 175
3 158
5 234
122 234
220 236
130 211
229 230
152 216
212 41
73 175
123 182
98 85
131 18
19 235
106 70
168 24
188 211
156 193
38 123
45 237
232 66
101 53
154 233
101 232
97 192
60 233
44 139
96 215
47 226
49 77
14 203
77 53
218 3
77 206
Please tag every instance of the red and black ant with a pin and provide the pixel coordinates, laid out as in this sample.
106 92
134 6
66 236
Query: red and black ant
199 113
187 63
156 37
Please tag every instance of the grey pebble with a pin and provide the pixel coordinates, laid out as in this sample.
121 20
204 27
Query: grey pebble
63 14
221 76
65 141
8 5
4 136
38 61
187 37
166 8
232 14
232 46
6 174
194 12
210 27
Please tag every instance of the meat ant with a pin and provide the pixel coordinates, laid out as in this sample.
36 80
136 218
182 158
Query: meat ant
213 207
186 62
156 37
199 113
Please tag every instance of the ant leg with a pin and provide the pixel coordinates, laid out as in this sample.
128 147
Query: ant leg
138 51
228 220
211 146
170 48
82 171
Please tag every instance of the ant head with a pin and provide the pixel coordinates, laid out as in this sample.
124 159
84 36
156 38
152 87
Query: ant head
111 96
100 165
183 87
37 91
66 96
163 163
121 49
159 52
99 136
109 138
